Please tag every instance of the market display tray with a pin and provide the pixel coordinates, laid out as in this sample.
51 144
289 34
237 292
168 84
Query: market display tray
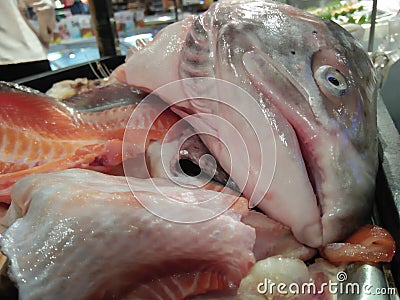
387 197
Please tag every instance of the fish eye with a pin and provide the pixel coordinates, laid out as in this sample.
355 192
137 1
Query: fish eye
331 80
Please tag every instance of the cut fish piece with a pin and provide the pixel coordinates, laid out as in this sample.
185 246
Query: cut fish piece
41 135
97 242
370 244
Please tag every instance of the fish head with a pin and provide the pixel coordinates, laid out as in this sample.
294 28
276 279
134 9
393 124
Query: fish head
315 83
320 79
304 65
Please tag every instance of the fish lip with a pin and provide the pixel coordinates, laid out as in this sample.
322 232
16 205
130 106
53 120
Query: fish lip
313 170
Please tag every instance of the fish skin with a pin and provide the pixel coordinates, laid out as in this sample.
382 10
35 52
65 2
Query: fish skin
98 242
277 53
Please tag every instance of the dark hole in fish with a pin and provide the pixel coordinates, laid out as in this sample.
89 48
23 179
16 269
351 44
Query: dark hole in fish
293 52
314 32
189 168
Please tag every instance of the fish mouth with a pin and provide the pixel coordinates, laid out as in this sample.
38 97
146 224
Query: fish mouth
313 170
286 97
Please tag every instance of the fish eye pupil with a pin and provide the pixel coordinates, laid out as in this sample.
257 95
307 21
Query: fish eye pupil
333 80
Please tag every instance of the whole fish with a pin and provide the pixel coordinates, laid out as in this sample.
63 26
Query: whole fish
314 88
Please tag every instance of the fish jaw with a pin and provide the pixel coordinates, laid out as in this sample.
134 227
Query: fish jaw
335 126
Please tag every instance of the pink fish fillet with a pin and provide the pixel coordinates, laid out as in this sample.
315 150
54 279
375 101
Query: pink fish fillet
41 135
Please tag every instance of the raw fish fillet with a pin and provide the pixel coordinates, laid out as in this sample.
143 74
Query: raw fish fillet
84 235
41 135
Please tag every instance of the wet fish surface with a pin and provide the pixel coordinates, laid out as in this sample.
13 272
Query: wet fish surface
301 83
314 85
99 242
40 134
